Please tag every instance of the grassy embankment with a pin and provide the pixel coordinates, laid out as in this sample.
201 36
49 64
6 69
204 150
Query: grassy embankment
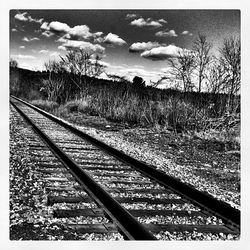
176 113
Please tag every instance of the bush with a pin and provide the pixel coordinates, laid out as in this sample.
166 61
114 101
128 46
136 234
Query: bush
48 106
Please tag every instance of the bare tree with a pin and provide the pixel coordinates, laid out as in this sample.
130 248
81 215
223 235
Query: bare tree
53 86
202 48
216 77
82 63
182 68
230 60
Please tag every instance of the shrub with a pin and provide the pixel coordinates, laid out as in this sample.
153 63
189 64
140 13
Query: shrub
48 106
80 105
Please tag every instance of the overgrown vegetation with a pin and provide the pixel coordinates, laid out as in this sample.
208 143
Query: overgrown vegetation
71 85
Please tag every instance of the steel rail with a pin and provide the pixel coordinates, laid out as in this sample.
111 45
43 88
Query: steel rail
127 224
201 199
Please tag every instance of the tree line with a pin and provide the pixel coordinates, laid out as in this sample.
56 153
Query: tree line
72 76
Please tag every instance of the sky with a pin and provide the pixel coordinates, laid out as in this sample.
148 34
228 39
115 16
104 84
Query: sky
130 42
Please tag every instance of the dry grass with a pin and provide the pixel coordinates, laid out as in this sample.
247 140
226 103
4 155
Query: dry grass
49 106
130 109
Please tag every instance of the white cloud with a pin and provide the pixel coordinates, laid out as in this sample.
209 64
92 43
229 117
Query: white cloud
26 39
45 26
72 44
23 56
43 51
113 39
186 32
83 31
27 18
162 20
78 31
162 53
56 26
141 22
63 39
166 33
47 33
21 17
131 16
22 47
142 46
61 47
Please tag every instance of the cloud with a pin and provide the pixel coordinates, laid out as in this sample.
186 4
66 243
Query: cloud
113 39
141 22
45 26
24 17
43 51
21 17
83 31
73 44
78 31
131 16
26 39
162 53
186 32
14 30
56 27
166 33
23 56
162 20
142 46
47 33
21 47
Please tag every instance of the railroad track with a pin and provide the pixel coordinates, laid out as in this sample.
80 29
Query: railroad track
117 193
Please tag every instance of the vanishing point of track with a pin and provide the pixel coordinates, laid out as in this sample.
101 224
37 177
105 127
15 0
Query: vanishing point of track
124 191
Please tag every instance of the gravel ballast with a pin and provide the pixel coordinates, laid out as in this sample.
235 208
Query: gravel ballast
128 141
